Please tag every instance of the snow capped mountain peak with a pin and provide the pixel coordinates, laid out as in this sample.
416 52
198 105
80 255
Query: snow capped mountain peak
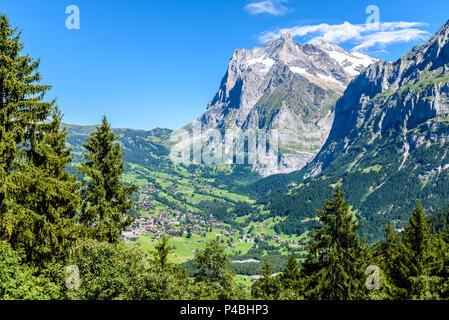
325 64
288 86
352 62
283 37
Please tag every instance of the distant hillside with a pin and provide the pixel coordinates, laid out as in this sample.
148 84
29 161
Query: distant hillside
147 161
149 148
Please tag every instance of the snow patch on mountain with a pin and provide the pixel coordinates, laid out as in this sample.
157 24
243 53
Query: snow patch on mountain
288 86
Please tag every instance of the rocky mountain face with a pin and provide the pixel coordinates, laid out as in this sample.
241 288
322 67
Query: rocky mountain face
285 86
389 142
391 97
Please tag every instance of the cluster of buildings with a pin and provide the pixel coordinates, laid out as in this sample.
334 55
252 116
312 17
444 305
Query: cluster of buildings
173 222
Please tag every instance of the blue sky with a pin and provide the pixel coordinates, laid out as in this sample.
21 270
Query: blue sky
157 63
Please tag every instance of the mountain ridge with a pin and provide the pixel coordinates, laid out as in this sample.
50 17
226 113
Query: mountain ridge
286 86
388 145
384 78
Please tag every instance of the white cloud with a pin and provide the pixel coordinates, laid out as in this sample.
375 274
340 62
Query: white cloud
362 36
273 7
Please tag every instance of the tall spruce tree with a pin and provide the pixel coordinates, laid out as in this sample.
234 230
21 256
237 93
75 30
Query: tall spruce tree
268 286
38 197
417 239
161 252
441 244
334 267
421 257
387 255
106 199
211 262
289 279
214 274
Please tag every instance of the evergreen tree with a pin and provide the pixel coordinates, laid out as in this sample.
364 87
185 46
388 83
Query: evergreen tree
230 290
38 197
442 248
18 281
417 239
161 253
413 261
211 263
290 277
334 267
268 287
387 256
106 199
215 274
421 257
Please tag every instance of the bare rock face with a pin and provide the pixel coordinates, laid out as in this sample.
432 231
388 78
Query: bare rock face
388 146
285 86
